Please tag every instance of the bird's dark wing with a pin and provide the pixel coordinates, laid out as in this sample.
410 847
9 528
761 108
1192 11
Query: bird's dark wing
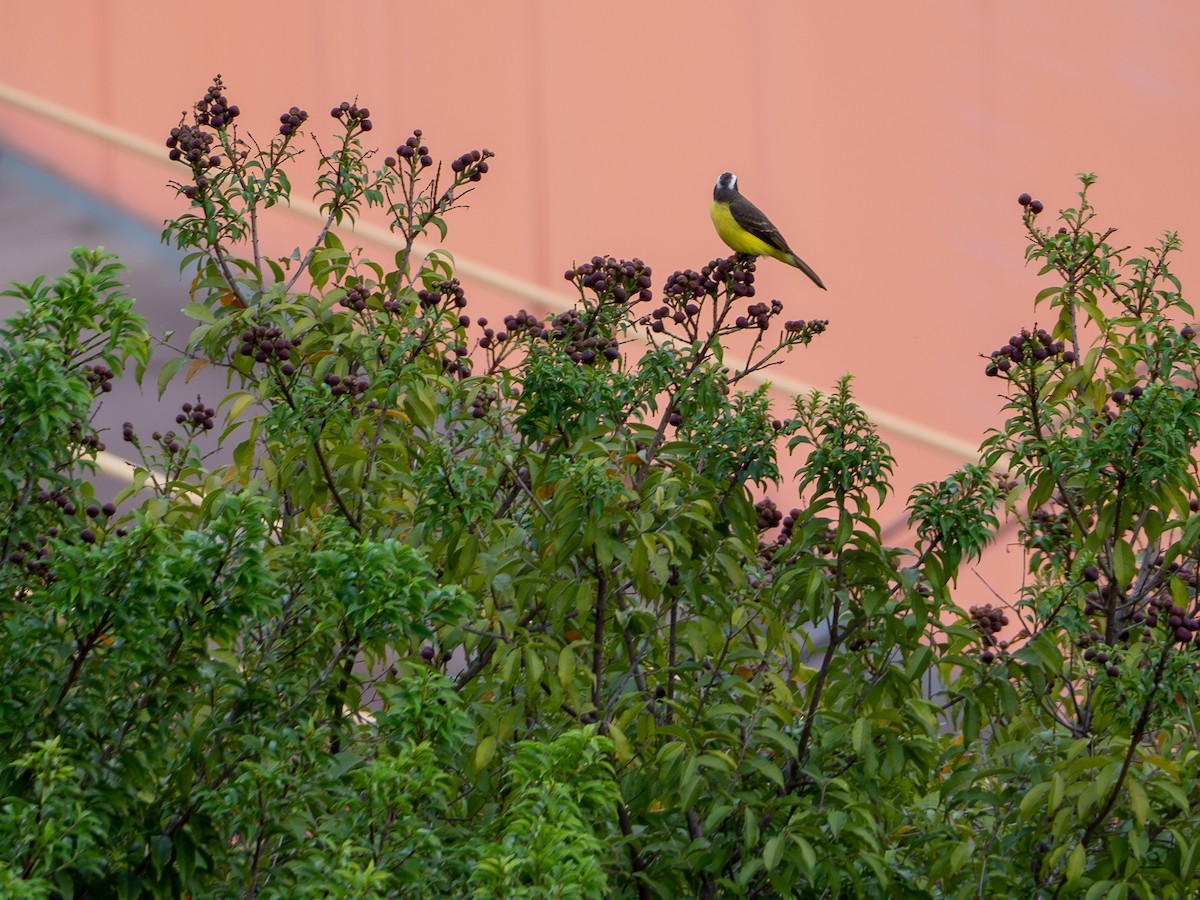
750 217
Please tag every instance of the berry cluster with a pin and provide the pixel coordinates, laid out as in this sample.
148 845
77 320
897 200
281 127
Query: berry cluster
450 291
622 279
1047 525
189 144
769 515
292 120
59 498
1183 571
736 271
1038 346
91 441
785 533
687 284
213 109
341 385
356 298
582 347
353 115
988 620
522 321
800 330
99 377
20 556
35 561
1104 657
196 417
1034 206
1180 626
1119 397
169 441
758 315
472 164
412 148
491 336
266 343
658 318
456 362
480 404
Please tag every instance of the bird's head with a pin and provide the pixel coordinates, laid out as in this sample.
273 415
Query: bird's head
726 184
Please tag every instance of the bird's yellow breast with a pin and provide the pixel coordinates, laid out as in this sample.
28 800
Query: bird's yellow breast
737 237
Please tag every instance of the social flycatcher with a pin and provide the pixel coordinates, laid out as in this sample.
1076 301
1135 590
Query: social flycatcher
746 230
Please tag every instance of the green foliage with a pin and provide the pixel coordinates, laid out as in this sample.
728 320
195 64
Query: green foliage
57 357
556 796
491 609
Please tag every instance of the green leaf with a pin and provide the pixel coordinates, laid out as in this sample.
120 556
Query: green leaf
620 742
860 736
750 827
484 752
200 312
767 768
1033 799
1139 803
972 721
1043 487
1124 563
808 856
566 664
342 763
241 400
1046 293
773 850
185 855
1075 864
167 372
160 852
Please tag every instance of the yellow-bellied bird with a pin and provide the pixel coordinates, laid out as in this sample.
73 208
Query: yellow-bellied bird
746 230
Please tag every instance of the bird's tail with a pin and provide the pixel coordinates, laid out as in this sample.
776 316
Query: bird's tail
806 269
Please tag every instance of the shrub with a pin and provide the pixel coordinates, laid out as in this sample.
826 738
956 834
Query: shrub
492 609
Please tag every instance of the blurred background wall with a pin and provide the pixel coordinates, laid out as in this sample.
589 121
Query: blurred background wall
888 141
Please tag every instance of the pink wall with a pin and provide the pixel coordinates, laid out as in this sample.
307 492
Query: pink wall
887 140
